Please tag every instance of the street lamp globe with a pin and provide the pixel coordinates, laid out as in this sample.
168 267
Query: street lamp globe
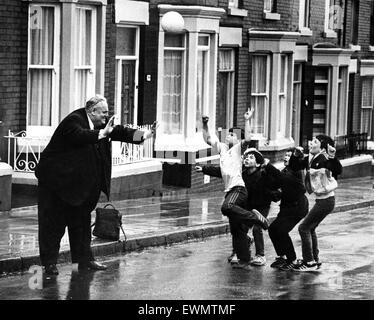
172 21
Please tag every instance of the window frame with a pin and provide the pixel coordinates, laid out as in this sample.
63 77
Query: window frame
304 18
282 98
341 121
272 4
329 33
119 60
371 79
233 4
296 103
266 95
230 87
91 68
54 67
205 50
183 85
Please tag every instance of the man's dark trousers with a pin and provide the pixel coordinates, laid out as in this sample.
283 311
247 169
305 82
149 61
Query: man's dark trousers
54 216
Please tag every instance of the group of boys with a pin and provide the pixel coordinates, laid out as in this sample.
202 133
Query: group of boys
252 183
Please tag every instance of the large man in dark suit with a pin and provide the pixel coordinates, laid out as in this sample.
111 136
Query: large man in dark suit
73 170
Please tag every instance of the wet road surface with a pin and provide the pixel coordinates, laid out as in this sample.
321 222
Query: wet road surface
199 270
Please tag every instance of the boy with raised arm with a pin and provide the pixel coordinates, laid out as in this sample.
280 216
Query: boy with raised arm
236 196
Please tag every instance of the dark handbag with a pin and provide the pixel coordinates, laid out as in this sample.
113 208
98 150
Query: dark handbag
107 223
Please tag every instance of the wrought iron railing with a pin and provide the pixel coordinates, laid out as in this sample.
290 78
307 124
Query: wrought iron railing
351 144
124 153
24 151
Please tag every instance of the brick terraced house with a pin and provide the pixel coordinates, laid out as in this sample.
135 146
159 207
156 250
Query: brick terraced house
306 67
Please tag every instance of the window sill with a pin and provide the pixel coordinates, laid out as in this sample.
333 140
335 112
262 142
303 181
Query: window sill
172 143
305 32
237 12
329 34
276 145
355 47
271 16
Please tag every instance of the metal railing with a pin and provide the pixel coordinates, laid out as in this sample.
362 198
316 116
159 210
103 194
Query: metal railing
24 151
351 144
124 153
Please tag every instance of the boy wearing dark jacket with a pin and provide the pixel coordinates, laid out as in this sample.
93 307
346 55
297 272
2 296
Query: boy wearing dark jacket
293 207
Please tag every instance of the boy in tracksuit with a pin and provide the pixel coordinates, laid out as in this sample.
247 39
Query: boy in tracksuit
293 207
235 202
322 155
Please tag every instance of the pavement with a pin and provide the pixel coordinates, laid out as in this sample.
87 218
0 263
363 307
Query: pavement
155 221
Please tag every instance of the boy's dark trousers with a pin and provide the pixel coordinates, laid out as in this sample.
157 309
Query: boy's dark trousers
258 234
240 220
289 216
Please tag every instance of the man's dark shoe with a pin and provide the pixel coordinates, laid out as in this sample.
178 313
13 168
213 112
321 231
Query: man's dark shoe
91 265
51 270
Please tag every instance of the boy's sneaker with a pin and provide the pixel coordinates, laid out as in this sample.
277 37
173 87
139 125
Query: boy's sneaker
233 259
278 262
261 220
241 265
288 266
258 260
305 267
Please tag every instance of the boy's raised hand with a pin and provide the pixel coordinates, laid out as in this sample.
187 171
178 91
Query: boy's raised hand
248 115
331 151
299 151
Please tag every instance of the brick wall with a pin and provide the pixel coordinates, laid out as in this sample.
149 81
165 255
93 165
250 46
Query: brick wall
110 55
13 68
364 53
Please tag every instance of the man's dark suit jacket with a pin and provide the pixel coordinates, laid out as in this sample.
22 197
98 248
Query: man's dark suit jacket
75 164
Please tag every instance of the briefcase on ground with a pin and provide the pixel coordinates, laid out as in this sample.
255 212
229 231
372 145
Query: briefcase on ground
108 223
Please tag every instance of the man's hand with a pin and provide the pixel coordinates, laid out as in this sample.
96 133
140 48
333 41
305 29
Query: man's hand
108 128
205 119
199 168
331 151
248 115
149 133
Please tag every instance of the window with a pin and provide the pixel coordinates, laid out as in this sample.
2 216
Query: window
354 21
202 76
367 106
296 108
304 14
282 105
43 68
127 58
233 3
270 5
173 83
333 17
321 99
226 78
260 94
341 126
85 54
